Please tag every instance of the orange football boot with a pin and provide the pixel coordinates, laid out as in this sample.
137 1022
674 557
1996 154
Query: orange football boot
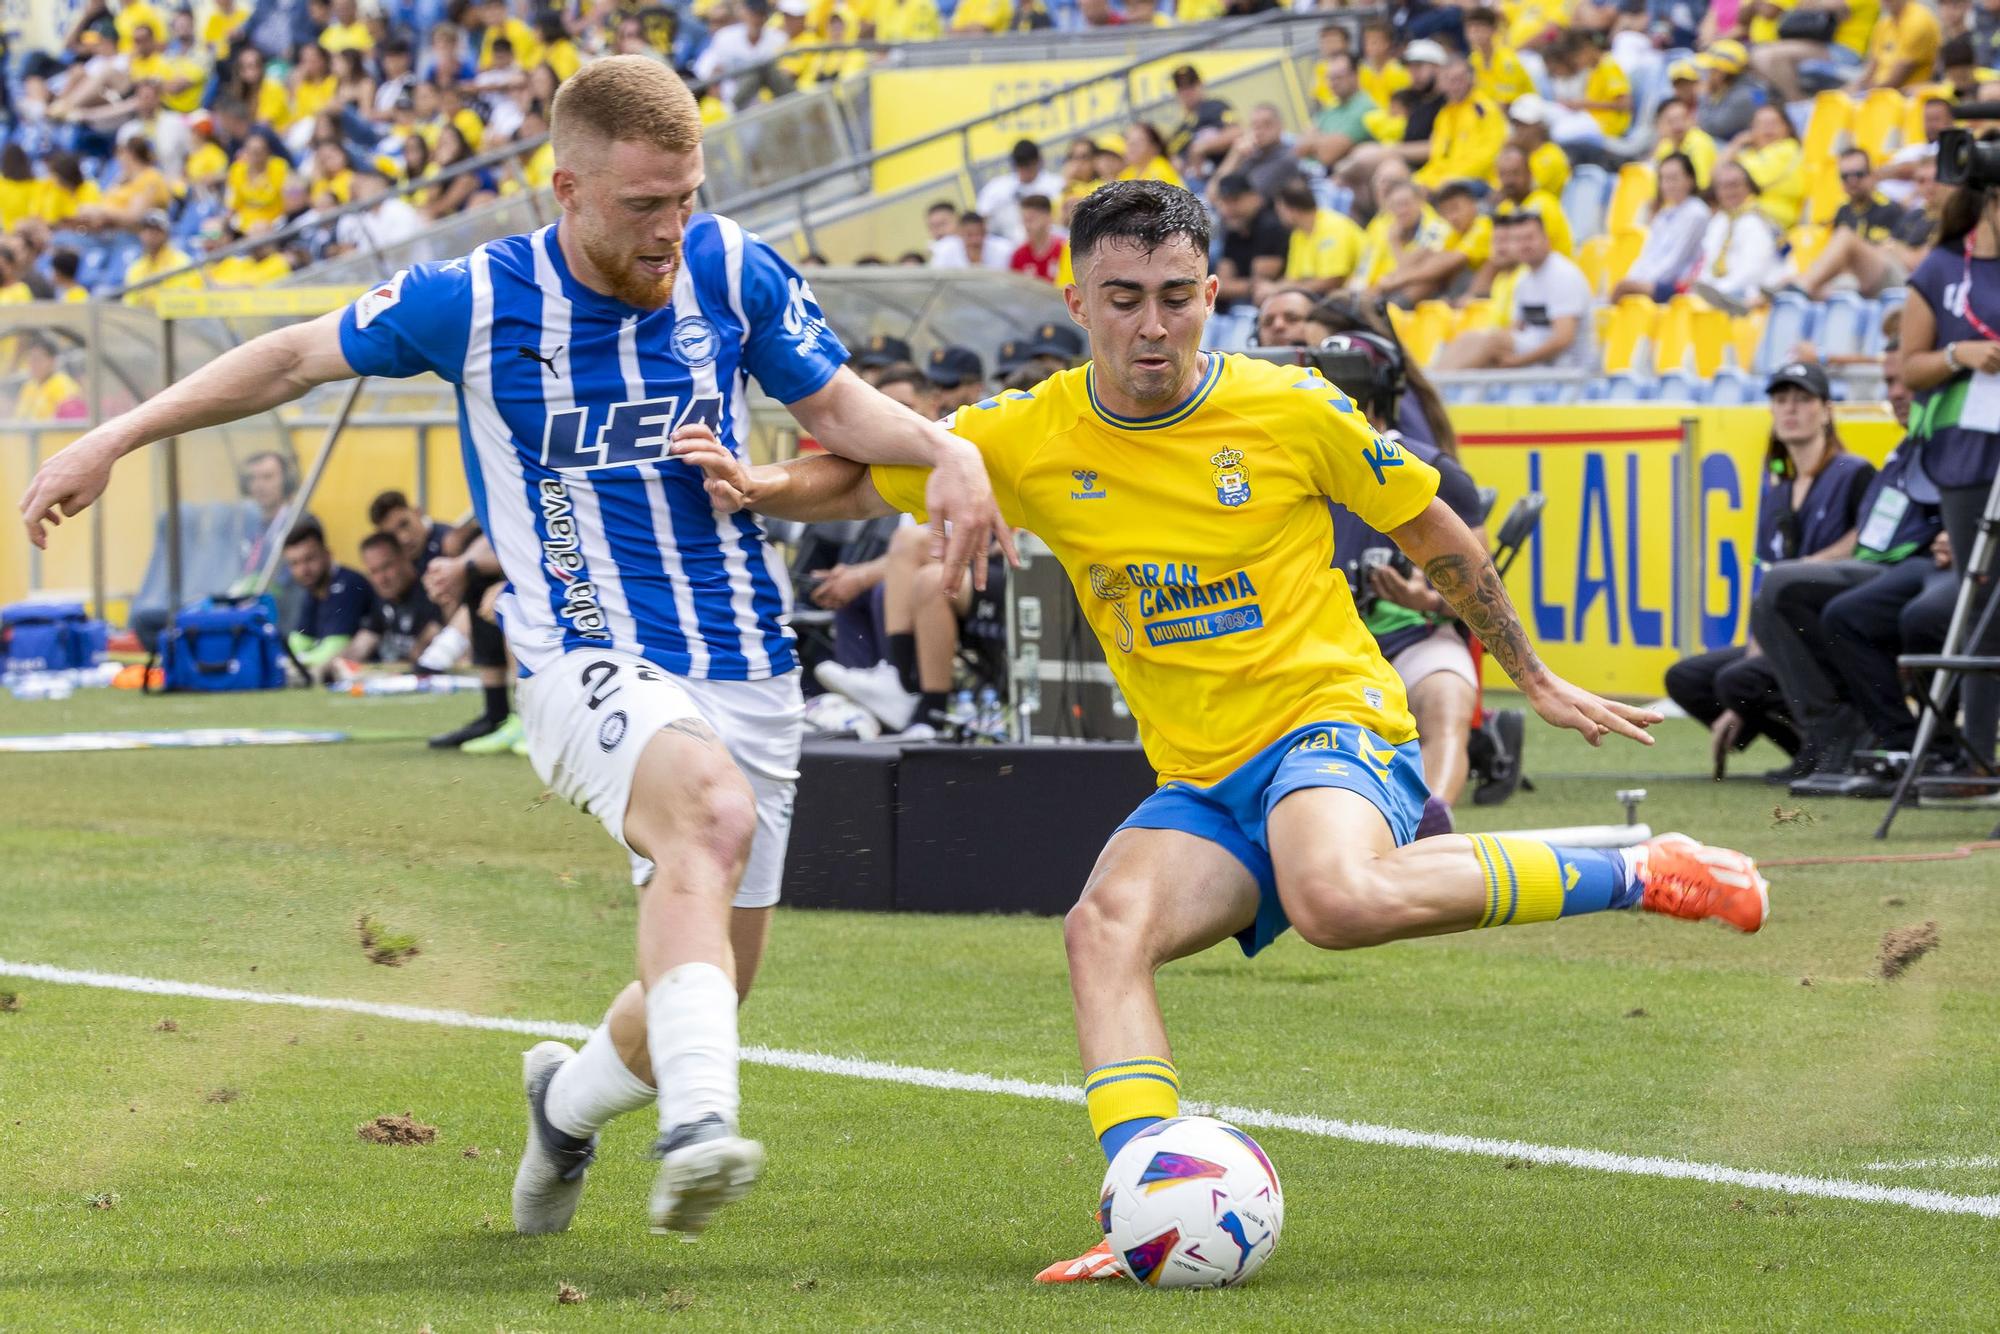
1097 1262
1682 878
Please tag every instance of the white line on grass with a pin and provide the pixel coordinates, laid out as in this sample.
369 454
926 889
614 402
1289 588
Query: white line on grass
1357 1132
1918 1164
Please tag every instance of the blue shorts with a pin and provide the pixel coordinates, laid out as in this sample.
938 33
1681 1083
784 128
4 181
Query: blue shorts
1233 813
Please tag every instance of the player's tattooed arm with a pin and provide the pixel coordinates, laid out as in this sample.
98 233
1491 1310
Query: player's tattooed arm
1457 565
1472 588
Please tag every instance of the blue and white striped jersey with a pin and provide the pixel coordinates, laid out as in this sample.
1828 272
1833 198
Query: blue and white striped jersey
566 401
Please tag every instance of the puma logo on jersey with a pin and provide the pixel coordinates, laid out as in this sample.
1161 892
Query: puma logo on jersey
548 362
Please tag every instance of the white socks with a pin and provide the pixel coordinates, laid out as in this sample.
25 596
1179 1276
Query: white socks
594 1086
691 1032
447 646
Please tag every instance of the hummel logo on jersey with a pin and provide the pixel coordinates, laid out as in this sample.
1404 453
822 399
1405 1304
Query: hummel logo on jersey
548 362
1086 485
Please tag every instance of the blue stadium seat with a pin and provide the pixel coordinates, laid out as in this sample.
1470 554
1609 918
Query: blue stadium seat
1585 199
1891 299
1792 318
1679 387
1844 319
1595 390
1624 388
1228 331
1732 387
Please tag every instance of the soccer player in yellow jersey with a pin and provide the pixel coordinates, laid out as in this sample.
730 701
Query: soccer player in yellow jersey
1186 495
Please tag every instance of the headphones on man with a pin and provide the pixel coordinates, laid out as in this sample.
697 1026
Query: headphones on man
288 467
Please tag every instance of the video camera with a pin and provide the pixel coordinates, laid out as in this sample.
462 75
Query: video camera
1965 159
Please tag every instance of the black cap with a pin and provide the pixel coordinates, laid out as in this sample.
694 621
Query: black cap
953 366
884 350
1013 354
1806 375
1058 340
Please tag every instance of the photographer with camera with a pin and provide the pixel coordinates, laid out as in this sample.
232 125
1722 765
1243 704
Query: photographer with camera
1951 361
1409 619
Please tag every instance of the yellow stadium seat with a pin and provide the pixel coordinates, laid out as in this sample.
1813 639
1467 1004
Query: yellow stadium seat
1878 123
1913 114
1423 329
1827 128
1691 336
1628 336
1824 192
1592 257
1475 315
1626 243
1629 196
1807 242
1746 333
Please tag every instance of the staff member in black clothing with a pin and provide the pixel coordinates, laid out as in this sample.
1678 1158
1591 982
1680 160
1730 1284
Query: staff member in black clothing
335 598
403 619
1808 510
423 539
1794 617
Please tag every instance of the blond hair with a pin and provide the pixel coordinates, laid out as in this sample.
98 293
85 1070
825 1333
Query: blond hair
625 99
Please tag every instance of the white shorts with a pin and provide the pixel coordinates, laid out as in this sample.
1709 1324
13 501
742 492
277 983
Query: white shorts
1442 650
589 716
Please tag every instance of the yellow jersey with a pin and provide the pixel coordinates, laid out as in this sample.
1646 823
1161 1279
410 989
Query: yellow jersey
1504 77
1475 243
167 261
1465 141
218 30
1607 83
41 402
346 37
1201 549
1159 169
1700 150
1779 171
56 202
1855 29
256 201
986 15
1381 84
207 165
906 21
17 201
527 46
74 295
1331 249
1764 29
1379 243
1549 166
1914 36
243 271
170 70
132 16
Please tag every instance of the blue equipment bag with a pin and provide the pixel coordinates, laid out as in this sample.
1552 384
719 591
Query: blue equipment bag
49 637
223 644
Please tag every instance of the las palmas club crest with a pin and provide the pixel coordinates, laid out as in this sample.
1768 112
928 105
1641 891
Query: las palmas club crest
1232 482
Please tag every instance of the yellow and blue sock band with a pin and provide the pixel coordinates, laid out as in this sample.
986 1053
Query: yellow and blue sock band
1528 880
1124 1097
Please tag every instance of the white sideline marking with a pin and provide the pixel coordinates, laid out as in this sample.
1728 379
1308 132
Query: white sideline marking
1357 1132
1918 1164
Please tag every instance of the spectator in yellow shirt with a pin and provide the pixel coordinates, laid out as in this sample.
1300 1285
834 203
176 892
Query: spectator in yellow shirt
1381 75
47 395
255 190
181 79
1146 156
64 190
156 257
1679 134
829 65
897 21
1518 194
135 15
1326 245
1773 156
1080 177
17 186
314 84
1497 71
140 190
1468 132
346 31
265 98
1903 48
973 17
64 265
499 23
220 24
1547 163
1404 268
1606 93
1333 41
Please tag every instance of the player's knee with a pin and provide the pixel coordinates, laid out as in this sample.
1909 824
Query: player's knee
911 543
1106 922
1341 908
706 810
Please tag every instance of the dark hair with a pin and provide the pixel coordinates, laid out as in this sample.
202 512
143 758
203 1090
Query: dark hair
1961 212
1958 51
1749 181
1348 56
814 257
1861 153
1778 459
941 204
66 262
1186 76
1343 315
1037 201
1296 194
970 216
501 44
14 164
1687 165
386 504
902 373
37 343
1159 142
1148 213
916 257
1025 154
1454 190
1482 15
381 539
306 530
1234 186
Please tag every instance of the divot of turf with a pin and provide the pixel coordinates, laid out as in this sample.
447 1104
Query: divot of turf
389 948
1903 947
404 1129
569 1295
12 1002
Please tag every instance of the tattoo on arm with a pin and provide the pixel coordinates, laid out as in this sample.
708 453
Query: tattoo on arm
1478 598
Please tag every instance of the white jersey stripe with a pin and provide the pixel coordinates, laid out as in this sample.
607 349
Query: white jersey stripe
732 252
559 395
512 523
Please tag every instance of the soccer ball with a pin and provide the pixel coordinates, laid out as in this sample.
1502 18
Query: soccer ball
1191 1203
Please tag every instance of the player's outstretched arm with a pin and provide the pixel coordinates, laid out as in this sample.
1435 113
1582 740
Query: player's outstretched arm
1463 574
854 420
819 488
264 372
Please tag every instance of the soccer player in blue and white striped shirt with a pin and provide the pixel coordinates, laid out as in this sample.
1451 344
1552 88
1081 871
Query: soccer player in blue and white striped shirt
660 688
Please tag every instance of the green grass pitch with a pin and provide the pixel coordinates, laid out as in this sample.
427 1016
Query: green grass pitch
206 1174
